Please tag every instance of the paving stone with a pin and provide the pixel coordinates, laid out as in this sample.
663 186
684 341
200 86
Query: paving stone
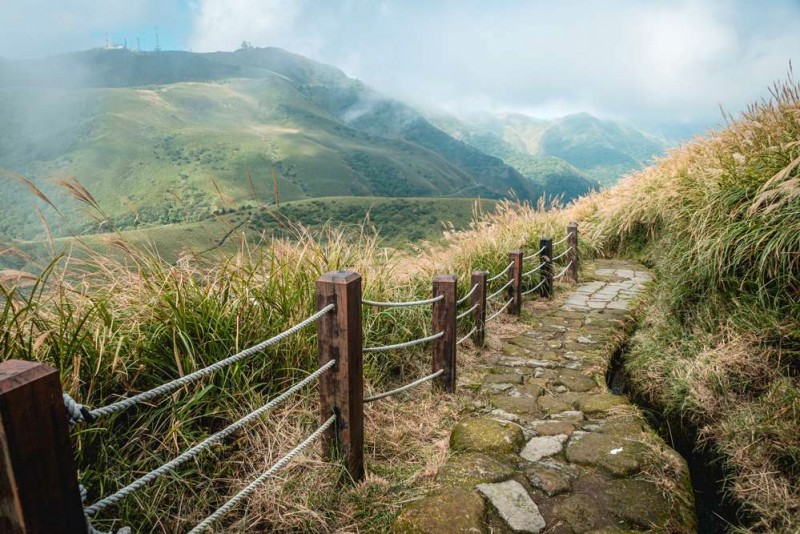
516 405
514 506
470 469
639 503
552 428
450 511
510 378
549 480
600 402
570 416
550 404
531 389
616 454
540 447
481 434
575 380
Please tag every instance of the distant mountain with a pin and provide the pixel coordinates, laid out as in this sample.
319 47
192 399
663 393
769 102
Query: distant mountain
557 178
604 150
171 136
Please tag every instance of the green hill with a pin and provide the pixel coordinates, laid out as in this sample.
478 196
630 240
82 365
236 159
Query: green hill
181 149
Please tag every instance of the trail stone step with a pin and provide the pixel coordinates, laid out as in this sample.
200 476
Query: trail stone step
551 449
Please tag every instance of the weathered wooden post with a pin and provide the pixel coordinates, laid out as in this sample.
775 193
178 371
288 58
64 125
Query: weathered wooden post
38 480
479 301
572 257
515 276
545 256
444 320
341 390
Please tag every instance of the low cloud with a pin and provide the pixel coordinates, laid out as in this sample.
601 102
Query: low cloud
643 61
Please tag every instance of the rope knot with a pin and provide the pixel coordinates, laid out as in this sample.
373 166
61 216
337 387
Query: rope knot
76 412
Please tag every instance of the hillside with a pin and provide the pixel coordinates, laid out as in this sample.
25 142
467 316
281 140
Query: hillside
170 137
600 150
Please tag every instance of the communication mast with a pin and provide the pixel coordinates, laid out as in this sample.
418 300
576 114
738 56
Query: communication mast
158 45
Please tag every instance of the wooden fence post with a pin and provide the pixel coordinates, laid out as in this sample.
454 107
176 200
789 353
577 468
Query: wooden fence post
545 256
38 480
515 275
572 241
444 320
479 300
341 390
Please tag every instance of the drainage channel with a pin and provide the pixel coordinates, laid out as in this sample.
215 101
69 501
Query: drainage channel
715 513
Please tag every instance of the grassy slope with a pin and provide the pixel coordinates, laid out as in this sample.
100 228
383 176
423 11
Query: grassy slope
400 222
720 222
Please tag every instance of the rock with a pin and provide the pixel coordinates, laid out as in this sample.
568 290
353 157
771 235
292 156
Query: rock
470 469
600 402
504 416
529 390
550 481
614 453
638 503
509 378
451 511
550 404
552 428
580 512
570 416
584 339
627 424
481 434
516 405
514 506
575 381
538 448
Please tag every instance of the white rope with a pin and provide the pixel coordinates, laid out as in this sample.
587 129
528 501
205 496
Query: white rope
466 312
535 254
404 344
463 299
533 270
498 312
203 445
561 255
463 339
537 286
191 377
501 273
561 240
563 272
493 295
408 386
402 304
250 488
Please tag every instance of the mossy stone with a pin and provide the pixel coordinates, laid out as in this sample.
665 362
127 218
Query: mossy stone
639 503
600 402
481 434
470 469
575 381
550 404
507 378
580 512
521 405
616 454
455 511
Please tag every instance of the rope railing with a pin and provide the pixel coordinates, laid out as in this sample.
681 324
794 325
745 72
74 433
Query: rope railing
401 304
501 310
463 339
463 299
534 255
203 445
340 375
563 271
501 273
79 413
404 344
555 244
234 501
467 312
535 269
408 386
496 293
556 258
537 286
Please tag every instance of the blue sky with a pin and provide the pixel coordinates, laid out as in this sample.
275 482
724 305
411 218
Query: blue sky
644 61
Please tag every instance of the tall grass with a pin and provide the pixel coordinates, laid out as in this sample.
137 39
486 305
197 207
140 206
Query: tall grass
719 219
119 323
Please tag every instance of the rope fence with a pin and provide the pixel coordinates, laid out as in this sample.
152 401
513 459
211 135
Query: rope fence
339 377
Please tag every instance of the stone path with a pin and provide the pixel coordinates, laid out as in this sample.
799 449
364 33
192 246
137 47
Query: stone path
550 449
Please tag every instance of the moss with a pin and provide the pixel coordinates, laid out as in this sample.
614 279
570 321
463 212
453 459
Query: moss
480 434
